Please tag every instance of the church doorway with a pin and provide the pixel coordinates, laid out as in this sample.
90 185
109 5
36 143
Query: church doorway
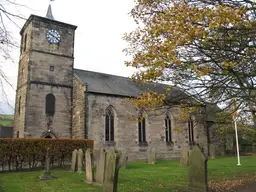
48 135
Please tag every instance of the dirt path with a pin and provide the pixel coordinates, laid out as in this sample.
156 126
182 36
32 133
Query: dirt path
249 188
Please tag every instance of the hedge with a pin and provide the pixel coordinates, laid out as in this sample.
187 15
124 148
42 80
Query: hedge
19 153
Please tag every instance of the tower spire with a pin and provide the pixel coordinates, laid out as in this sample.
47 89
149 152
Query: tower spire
49 14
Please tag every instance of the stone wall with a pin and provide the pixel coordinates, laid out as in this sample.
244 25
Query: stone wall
38 123
126 131
78 111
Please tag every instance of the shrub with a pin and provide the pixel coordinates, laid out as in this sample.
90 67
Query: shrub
20 153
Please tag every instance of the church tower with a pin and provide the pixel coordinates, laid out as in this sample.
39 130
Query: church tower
43 104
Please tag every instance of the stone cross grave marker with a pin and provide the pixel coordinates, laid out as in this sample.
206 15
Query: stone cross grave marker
212 151
184 157
100 166
111 171
46 174
74 161
80 156
123 160
89 166
197 170
152 156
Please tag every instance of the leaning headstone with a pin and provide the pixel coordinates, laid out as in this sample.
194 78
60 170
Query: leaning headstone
100 166
152 156
184 157
197 171
123 160
80 155
212 151
46 174
111 171
89 166
73 162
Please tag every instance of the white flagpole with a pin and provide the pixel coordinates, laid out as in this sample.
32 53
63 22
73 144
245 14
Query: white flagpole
237 145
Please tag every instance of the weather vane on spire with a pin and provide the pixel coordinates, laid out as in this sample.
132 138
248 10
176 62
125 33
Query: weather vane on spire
49 11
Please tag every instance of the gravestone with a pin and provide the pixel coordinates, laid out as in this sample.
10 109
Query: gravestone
95 154
212 151
47 174
89 166
152 156
123 160
80 155
74 160
111 171
197 170
100 166
184 157
222 150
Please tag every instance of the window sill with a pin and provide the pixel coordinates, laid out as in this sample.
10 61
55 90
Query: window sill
143 144
110 143
169 143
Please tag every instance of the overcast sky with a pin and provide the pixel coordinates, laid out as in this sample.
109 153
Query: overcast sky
98 41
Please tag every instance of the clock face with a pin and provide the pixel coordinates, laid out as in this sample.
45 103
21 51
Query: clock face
53 36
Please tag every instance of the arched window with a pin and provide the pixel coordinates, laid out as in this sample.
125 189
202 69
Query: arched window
19 104
168 129
50 104
109 124
25 43
142 128
191 130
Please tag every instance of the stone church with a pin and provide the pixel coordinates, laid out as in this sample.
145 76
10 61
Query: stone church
55 100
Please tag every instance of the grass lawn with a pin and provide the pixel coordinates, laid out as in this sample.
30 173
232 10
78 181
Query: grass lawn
6 120
165 176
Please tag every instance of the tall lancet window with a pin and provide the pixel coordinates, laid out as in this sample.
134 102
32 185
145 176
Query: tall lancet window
50 104
109 124
191 130
168 129
142 128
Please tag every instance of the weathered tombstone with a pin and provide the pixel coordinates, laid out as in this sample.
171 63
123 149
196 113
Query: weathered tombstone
100 167
73 162
47 174
111 171
197 170
222 150
80 155
123 160
212 151
184 157
95 153
152 156
89 166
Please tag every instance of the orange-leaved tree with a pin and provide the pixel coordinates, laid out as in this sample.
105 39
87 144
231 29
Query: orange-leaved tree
207 48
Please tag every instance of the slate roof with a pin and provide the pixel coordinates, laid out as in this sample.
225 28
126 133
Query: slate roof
103 83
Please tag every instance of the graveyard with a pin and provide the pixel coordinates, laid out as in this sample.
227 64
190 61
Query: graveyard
165 175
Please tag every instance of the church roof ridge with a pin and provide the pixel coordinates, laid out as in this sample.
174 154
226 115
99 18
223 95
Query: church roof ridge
128 78
101 73
103 83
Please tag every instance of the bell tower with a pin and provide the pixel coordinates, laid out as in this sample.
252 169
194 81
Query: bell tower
43 104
